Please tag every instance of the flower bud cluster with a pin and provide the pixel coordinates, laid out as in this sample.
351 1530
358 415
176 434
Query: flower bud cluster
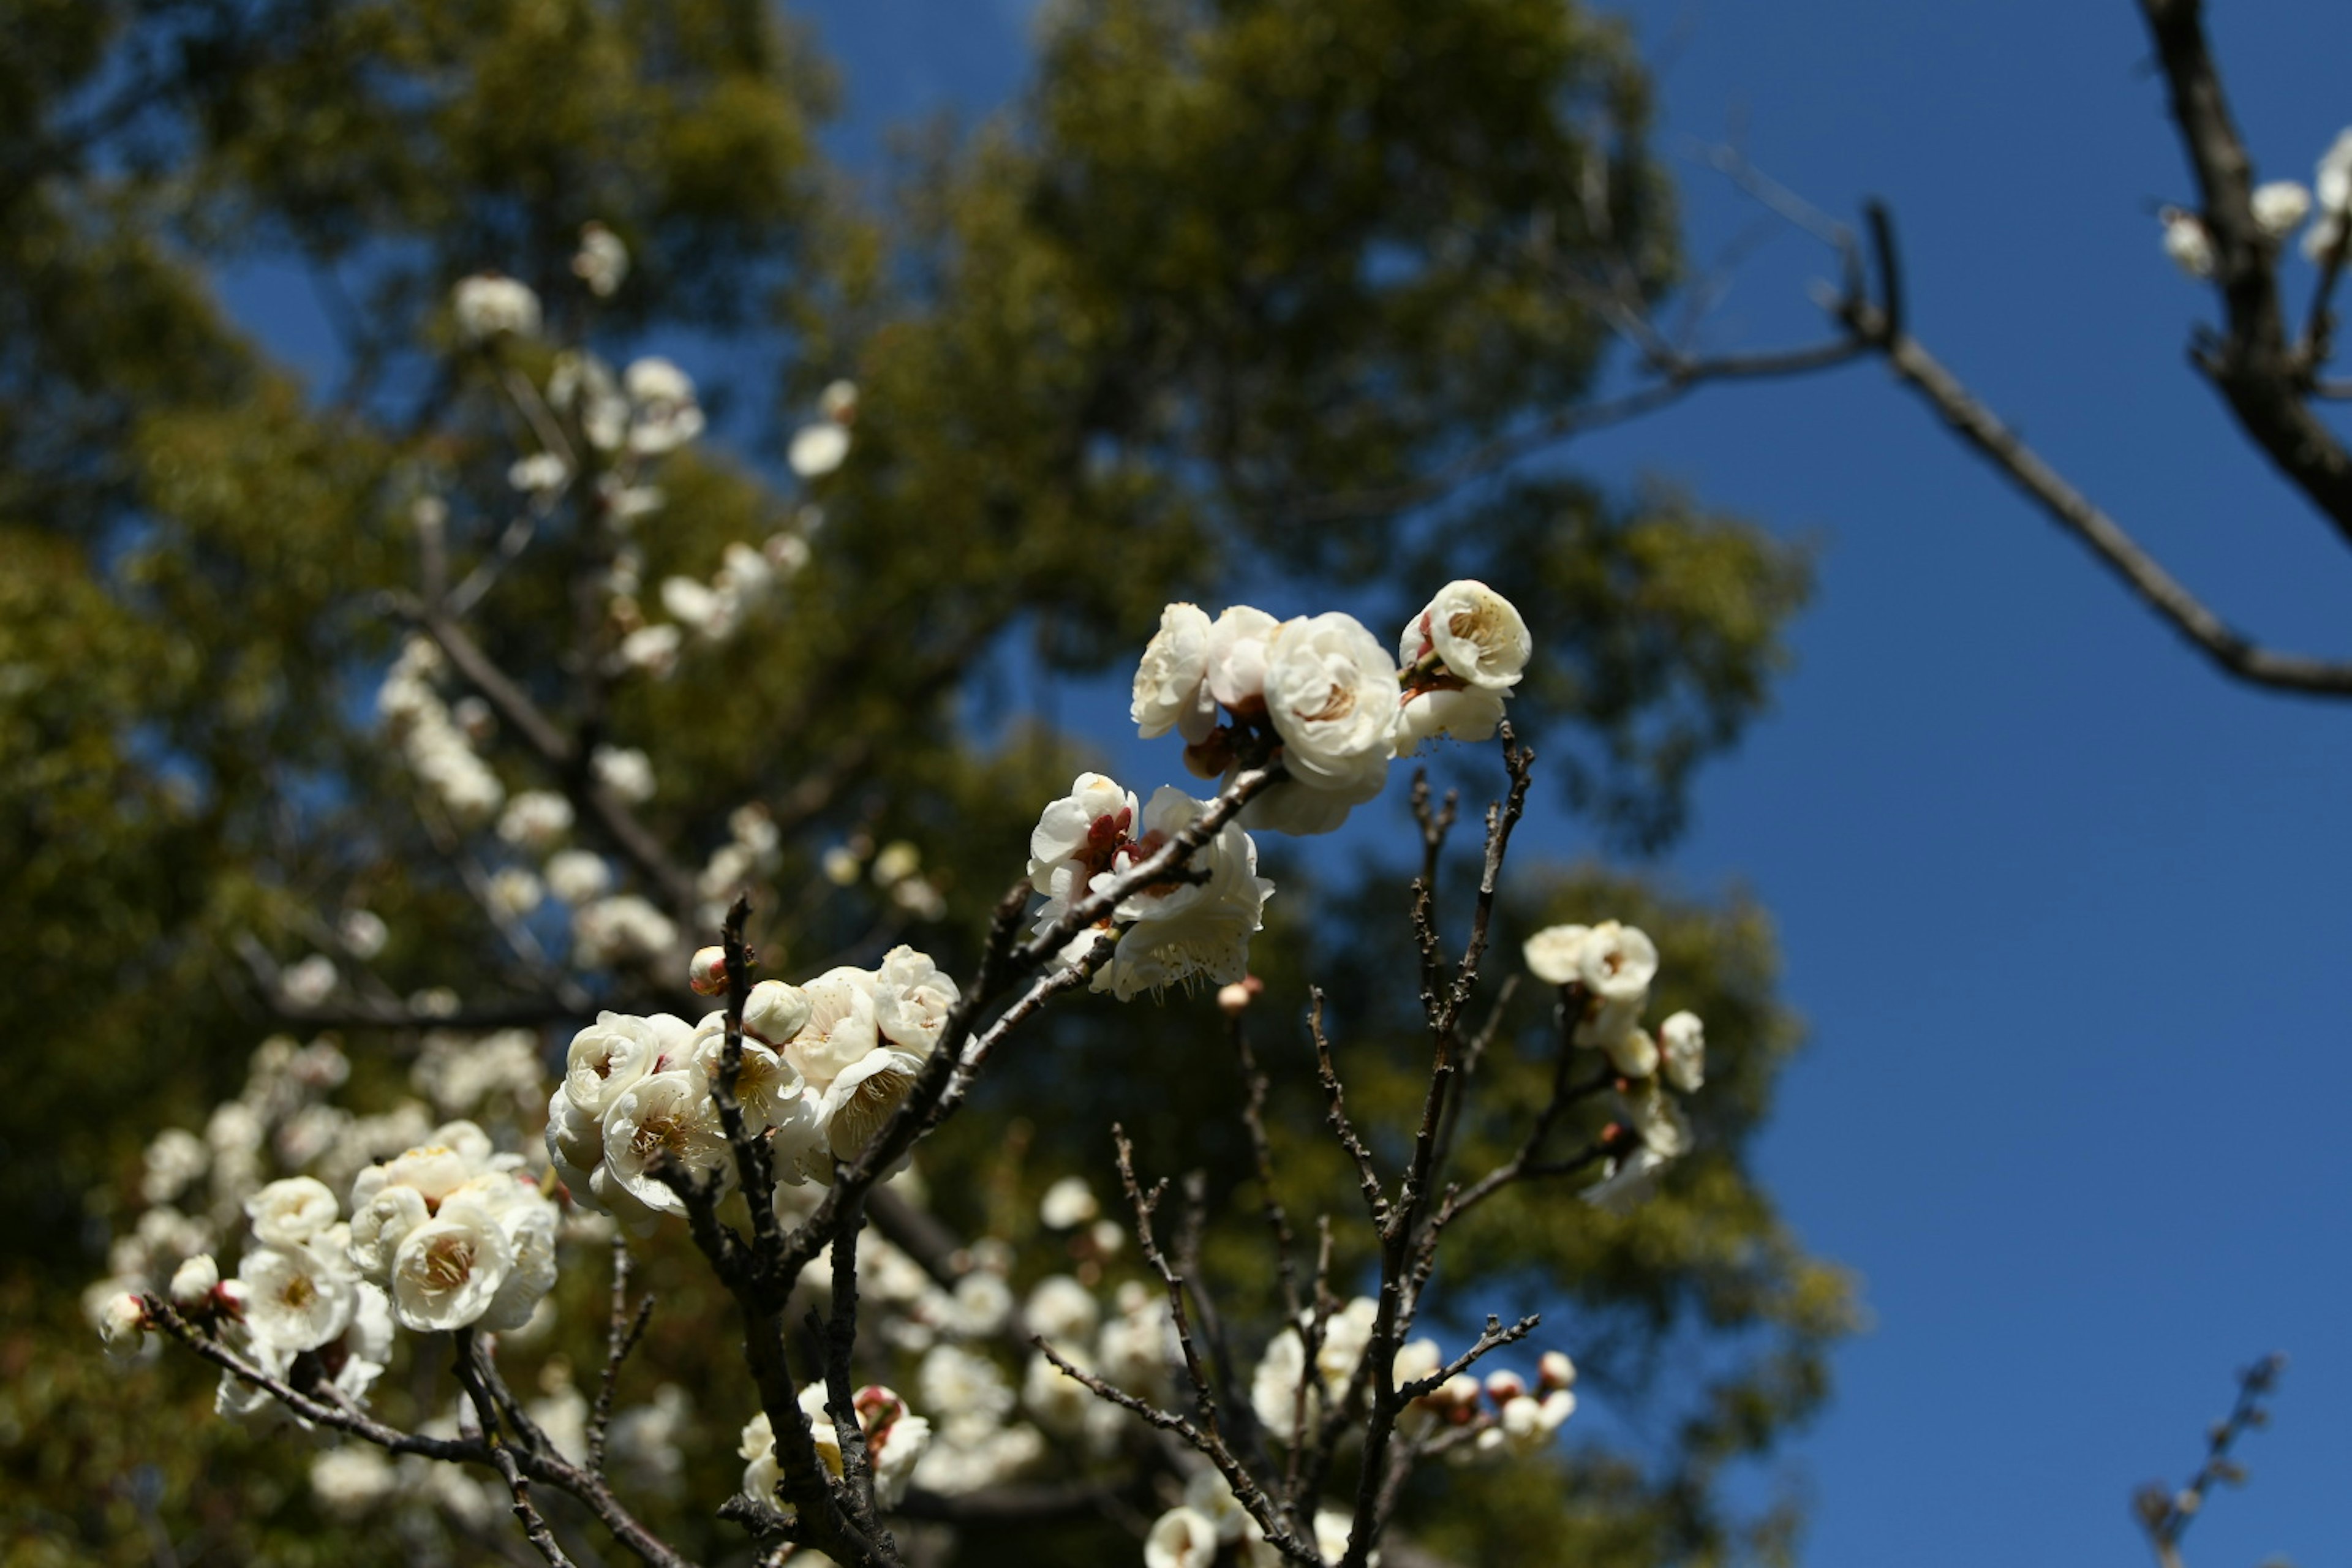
1193 927
1605 972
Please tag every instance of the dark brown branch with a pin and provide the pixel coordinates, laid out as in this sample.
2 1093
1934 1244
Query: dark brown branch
2166 1515
502 1459
1278 1222
1368 1177
621 1336
2259 372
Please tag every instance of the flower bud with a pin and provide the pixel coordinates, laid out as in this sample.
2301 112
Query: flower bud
1505 1386
122 1325
192 1283
1234 999
775 1012
1555 1371
708 974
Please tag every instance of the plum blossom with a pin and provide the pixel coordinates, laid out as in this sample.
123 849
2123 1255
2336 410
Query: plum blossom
1682 1041
488 306
1171 683
1470 632
2280 207
601 261
1331 695
2187 242
664 415
1182 1538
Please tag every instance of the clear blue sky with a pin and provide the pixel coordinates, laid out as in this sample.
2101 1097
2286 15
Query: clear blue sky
2061 906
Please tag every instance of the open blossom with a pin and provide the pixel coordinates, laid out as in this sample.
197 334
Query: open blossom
1180 933
913 998
488 306
448 1270
1477 634
1076 837
1171 683
663 1120
1060 1309
626 770
862 1097
1618 961
840 1029
1469 714
615 1051
1331 695
296 1297
619 928
1555 955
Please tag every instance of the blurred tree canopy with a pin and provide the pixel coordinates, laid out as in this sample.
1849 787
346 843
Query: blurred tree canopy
1224 261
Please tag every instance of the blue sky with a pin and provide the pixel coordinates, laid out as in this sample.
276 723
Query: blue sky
2060 905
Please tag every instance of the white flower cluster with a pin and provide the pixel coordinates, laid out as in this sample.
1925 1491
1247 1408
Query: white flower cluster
895 1441
2279 209
748 581
1319 692
444 1235
822 1069
607 928
1610 966
1211 1520
1191 928
436 747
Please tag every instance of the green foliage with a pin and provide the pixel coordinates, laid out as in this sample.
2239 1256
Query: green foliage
1227 269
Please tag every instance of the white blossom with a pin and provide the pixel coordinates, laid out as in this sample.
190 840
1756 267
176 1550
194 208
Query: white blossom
310 982
291 1211
447 1270
175 1159
601 261
956 1384
296 1297
1238 641
1067 1204
537 820
619 928
194 1281
488 306
1475 633
1556 1370
2187 242
2333 187
653 650
1181 1538
817 449
1555 955
516 890
578 876
1469 714
1185 932
863 1096
540 474
1332 1529
664 415
666 1116
775 1012
2280 206
628 772
351 1480
619 1049
1682 1041
1331 694
364 932
1060 1309
912 999
840 1029
1171 683
380 1225
1617 962
1058 1402
121 1320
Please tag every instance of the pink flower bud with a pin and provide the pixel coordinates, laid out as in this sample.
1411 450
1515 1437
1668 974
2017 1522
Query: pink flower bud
707 972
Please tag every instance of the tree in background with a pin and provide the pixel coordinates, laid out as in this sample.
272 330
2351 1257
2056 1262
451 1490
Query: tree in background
1239 293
